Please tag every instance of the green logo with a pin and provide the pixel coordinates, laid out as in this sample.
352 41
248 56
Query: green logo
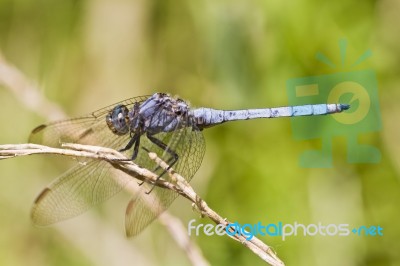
357 88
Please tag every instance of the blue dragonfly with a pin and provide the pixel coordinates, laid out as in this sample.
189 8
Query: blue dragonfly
158 123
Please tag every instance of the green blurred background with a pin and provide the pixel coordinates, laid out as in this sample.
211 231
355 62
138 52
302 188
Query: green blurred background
84 55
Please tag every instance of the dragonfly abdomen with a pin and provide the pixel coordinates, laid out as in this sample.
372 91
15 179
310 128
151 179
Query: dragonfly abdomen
207 117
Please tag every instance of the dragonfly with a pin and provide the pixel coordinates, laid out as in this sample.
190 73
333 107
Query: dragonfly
158 123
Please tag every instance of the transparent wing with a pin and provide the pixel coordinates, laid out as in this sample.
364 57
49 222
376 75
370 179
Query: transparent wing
188 143
91 129
88 183
75 191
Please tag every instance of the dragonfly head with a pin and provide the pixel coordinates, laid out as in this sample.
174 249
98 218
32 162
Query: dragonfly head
118 120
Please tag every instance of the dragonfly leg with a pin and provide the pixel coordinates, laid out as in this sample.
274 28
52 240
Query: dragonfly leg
130 143
135 140
164 147
136 148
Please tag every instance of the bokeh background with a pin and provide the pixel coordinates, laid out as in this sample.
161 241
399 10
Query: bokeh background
83 55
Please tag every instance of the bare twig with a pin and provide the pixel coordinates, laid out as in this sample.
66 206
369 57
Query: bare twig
184 189
178 184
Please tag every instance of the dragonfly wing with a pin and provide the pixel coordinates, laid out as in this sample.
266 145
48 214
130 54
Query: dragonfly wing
83 130
86 184
76 191
91 129
191 149
145 208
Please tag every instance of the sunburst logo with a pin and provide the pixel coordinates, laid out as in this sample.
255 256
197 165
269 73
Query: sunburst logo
355 87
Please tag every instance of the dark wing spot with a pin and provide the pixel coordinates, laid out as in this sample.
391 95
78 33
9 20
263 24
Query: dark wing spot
86 133
42 195
38 129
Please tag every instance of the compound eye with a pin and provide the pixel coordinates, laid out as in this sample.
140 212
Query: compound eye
118 120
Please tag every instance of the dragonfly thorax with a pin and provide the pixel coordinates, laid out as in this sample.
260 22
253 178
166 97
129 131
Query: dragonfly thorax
160 113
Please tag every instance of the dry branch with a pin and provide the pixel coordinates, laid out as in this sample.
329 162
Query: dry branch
177 184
